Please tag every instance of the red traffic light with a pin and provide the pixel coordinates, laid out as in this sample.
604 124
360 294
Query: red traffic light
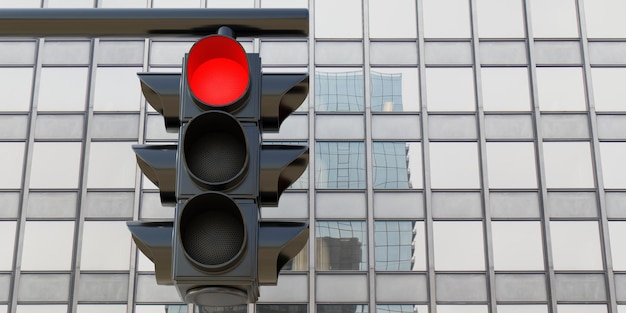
217 70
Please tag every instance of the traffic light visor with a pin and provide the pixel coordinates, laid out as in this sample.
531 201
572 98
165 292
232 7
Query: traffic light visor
217 71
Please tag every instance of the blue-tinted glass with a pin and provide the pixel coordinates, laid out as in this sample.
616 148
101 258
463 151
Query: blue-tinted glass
340 165
386 93
341 245
393 245
391 165
341 91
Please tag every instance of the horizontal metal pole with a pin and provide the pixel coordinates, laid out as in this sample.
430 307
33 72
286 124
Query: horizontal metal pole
152 22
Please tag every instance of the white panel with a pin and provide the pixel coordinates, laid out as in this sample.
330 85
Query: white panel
401 288
396 127
11 161
294 127
392 19
63 89
393 53
341 288
47 246
55 165
338 19
511 165
7 233
576 245
340 205
290 288
338 52
517 246
106 246
339 127
458 246
111 157
283 53
454 165
568 165
291 205
398 205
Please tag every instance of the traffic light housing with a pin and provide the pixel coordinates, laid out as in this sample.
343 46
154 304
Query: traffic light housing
220 174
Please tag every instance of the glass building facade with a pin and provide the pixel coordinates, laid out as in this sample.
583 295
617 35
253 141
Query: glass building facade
467 156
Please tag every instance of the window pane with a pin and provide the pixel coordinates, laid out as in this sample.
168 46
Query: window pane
561 89
62 89
339 91
69 4
394 90
458 246
608 91
341 245
517 246
612 156
342 308
47 246
401 308
122 3
576 245
7 233
511 165
399 246
117 89
500 19
527 308
446 19
604 18
505 89
338 19
101 308
15 88
392 19
111 157
568 165
454 165
48 308
176 4
582 308
467 308
106 246
11 162
450 89
617 233
554 18
55 165
340 165
397 165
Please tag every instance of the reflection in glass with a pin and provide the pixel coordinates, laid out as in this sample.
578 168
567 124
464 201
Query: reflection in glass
342 308
394 247
339 91
281 308
341 245
398 308
340 165
394 90
397 165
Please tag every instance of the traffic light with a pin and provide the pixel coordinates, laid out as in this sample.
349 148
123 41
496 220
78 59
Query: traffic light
217 251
